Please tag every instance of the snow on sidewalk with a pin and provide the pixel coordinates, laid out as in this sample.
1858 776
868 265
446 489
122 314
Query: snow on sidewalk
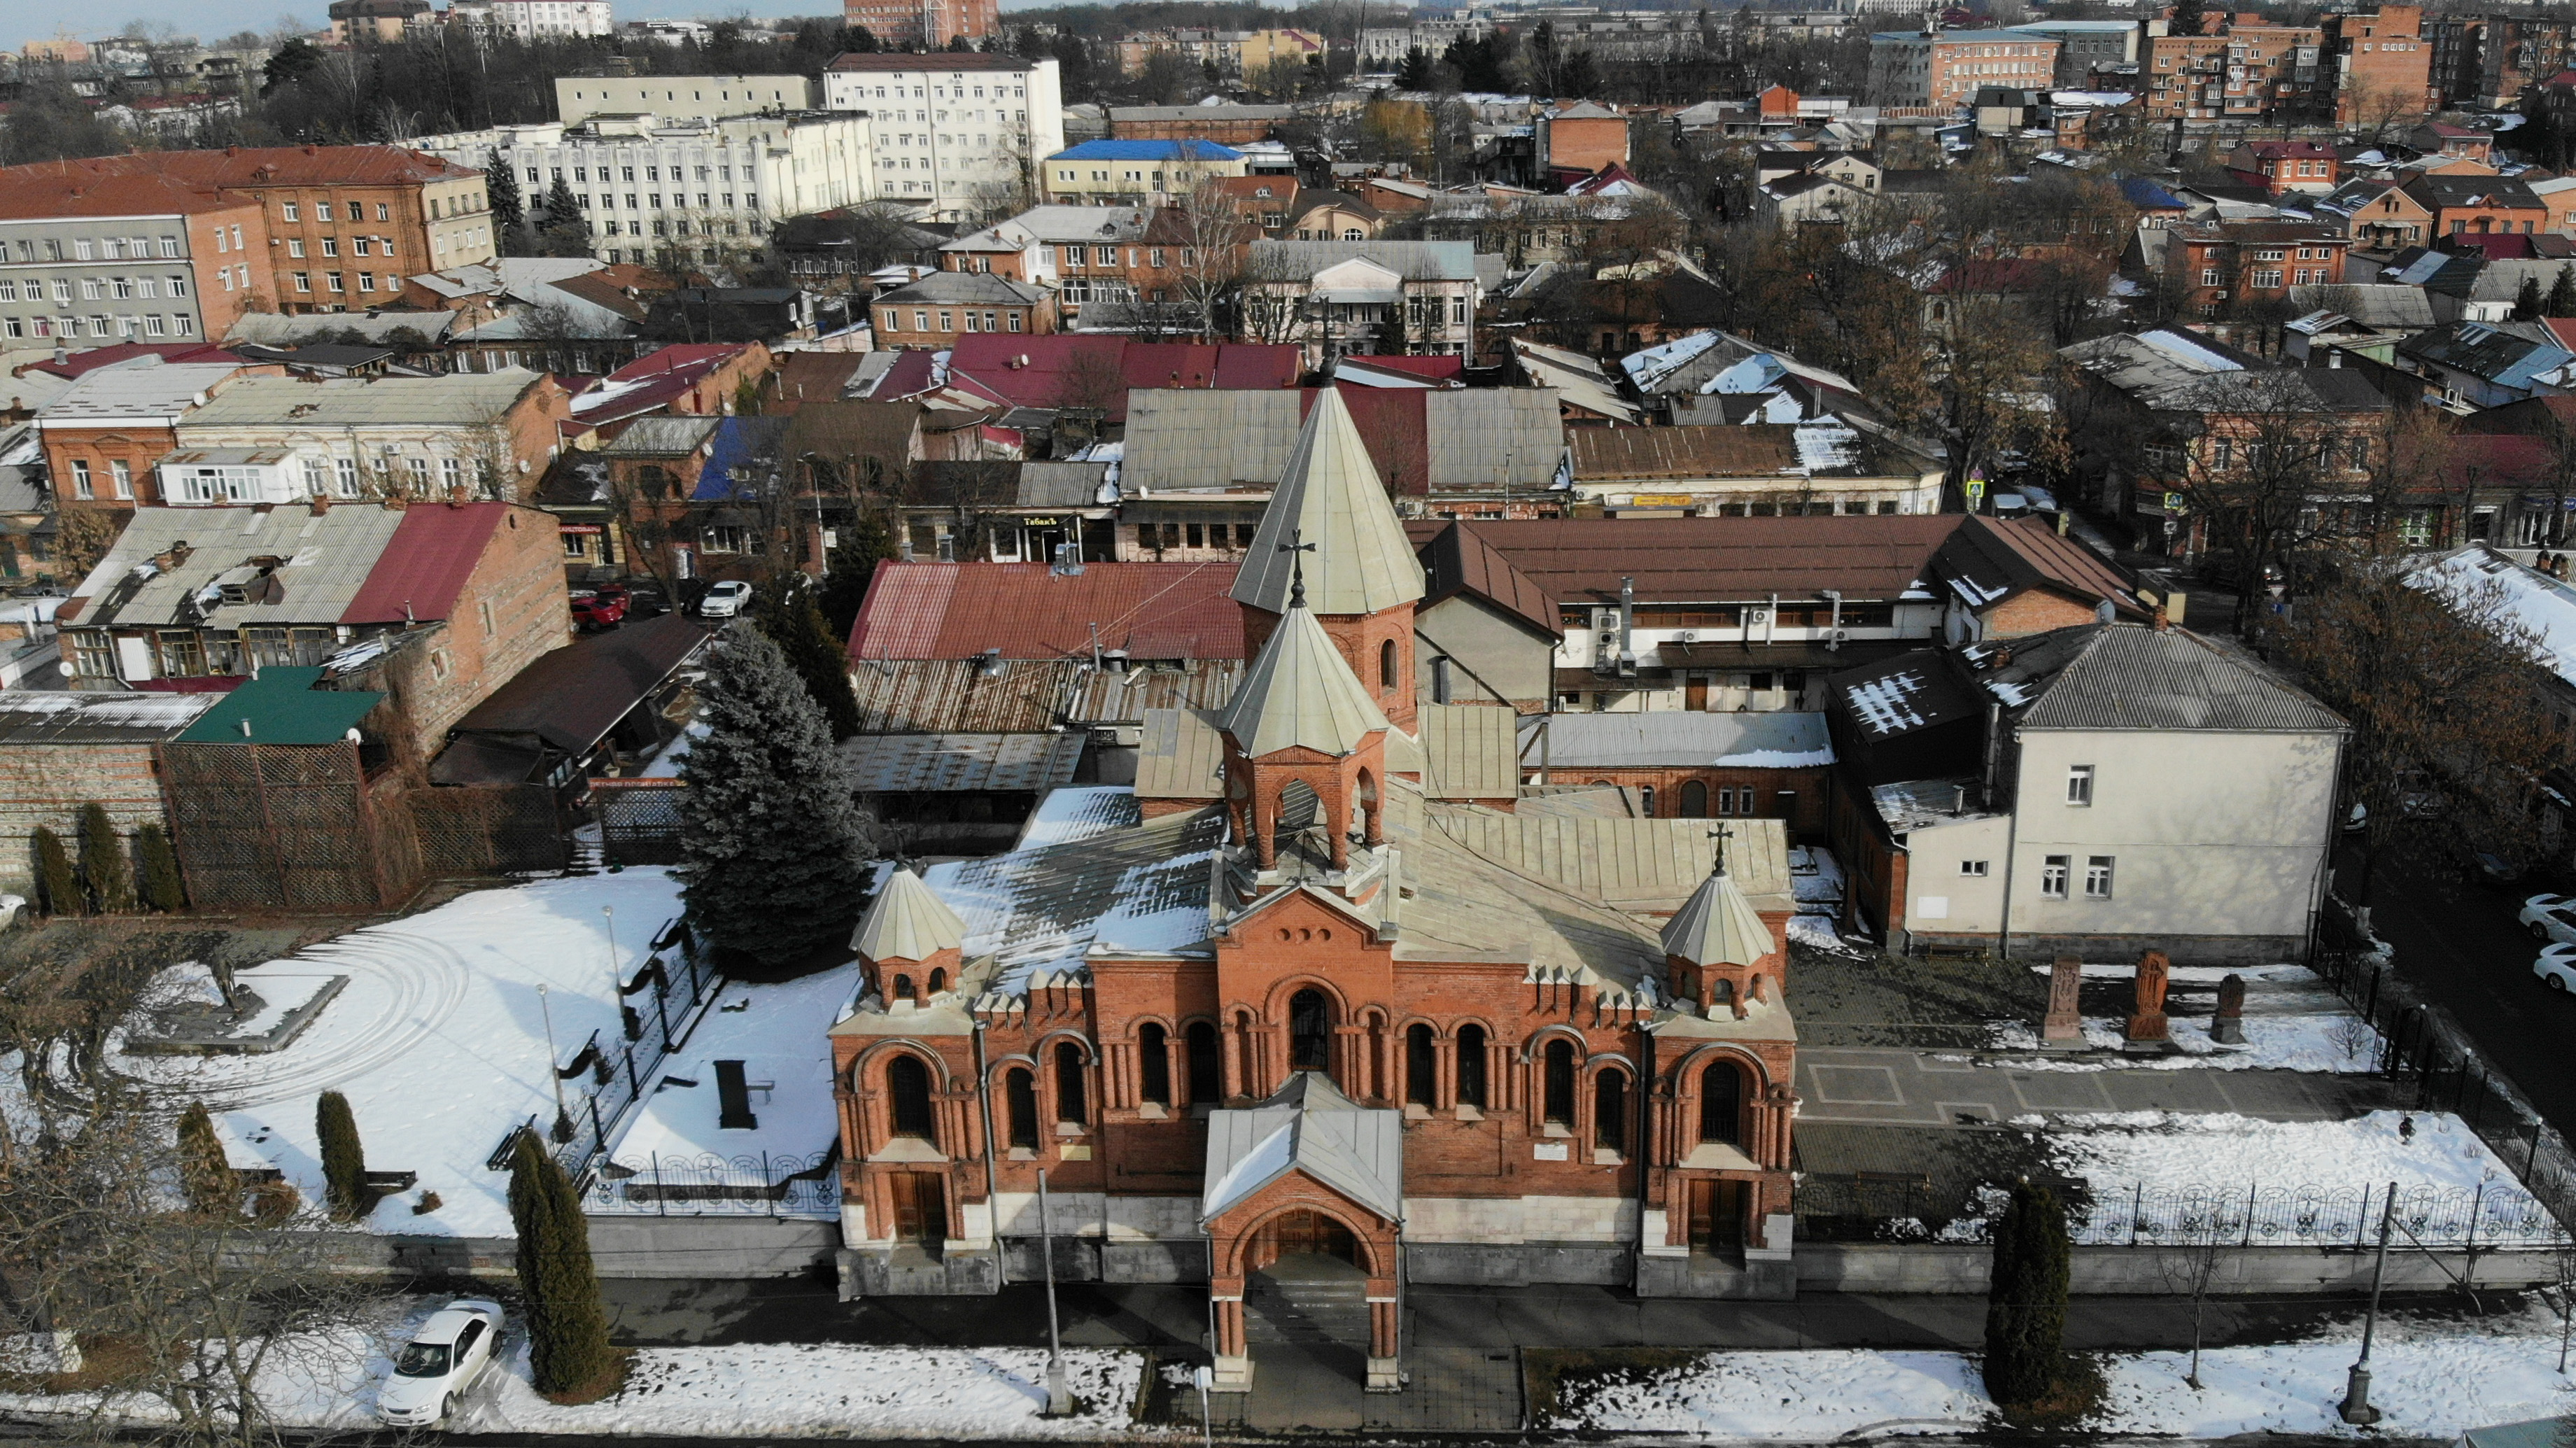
2430 1385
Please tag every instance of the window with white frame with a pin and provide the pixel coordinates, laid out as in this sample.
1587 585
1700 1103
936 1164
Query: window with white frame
2053 872
2079 784
2097 877
1973 869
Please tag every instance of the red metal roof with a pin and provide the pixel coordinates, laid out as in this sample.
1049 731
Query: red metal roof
1029 611
1391 423
1439 369
81 364
425 564
1059 368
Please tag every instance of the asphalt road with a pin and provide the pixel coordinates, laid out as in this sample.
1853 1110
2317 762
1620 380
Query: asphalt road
2459 944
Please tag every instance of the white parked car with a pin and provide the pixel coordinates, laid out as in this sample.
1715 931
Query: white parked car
440 1362
2551 918
2556 967
725 600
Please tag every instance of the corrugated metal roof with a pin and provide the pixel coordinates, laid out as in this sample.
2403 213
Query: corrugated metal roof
960 763
905 696
662 437
1458 560
2131 676
572 696
75 717
281 706
328 556
1488 438
1715 560
1650 864
1180 755
1061 485
1310 1127
423 570
1029 611
1467 752
454 400
166 390
1677 739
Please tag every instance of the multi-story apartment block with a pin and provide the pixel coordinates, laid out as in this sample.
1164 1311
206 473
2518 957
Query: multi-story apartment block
680 97
356 22
2363 68
140 258
930 24
702 188
2084 45
526 20
1219 50
1136 173
304 228
2382 66
1946 67
2488 61
1337 298
2213 266
957 134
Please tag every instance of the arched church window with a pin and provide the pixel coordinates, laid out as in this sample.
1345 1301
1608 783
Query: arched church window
1610 1111
1421 1067
1559 1086
1721 1104
1154 1052
938 981
908 1087
1020 1091
1471 1066
1207 1074
1068 1083
903 988
1386 665
1310 1032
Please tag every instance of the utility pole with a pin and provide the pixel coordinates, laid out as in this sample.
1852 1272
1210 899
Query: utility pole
1059 1399
2356 1408
547 1011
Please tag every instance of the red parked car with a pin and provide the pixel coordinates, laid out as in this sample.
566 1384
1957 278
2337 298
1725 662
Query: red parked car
602 608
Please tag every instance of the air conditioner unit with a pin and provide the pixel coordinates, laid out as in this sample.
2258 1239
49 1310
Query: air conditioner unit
1759 617
1689 636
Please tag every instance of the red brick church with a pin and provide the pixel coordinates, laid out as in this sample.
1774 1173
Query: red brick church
1324 992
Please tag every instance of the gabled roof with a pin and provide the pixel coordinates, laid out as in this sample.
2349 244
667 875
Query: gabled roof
1078 370
1414 260
1457 560
572 696
1909 693
1029 611
423 570
960 288
907 922
2488 350
1329 496
1990 559
1300 694
1718 926
1309 1127
1706 560
2132 676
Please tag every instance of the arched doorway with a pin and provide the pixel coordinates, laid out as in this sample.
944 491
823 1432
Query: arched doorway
1306 1292
1309 1233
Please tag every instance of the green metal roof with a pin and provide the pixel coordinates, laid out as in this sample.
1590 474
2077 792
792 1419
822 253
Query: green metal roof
281 706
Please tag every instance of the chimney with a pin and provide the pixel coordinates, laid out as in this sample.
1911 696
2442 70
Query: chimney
2162 622
321 504
456 495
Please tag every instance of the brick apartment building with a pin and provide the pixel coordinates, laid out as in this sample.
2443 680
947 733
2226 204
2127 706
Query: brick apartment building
929 24
1944 68
2212 267
2488 61
104 435
2356 69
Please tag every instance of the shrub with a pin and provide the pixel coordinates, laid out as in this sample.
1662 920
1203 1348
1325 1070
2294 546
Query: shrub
2026 1303
156 870
102 863
55 878
567 1328
344 1160
205 1175
428 1203
275 1202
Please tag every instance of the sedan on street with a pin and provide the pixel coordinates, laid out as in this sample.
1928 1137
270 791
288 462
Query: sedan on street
2551 919
440 1362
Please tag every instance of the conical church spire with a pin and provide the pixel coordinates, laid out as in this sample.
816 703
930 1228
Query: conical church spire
1300 691
1330 497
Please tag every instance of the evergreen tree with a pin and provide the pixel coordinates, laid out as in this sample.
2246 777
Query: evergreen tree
205 1175
156 871
1415 73
567 1328
2562 292
344 1160
102 864
55 878
789 616
2526 300
864 544
564 231
291 62
770 853
2186 18
501 190
2026 1300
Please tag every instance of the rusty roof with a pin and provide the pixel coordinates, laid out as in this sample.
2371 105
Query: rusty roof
1990 558
1030 611
1457 559
1697 560
899 696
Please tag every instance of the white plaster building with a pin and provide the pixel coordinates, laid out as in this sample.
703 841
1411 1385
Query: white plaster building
536 19
956 133
680 97
705 187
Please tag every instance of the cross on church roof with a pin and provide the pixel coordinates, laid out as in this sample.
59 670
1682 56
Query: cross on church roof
1297 548
1718 865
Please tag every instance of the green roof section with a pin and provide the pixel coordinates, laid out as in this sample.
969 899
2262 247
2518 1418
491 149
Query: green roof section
281 706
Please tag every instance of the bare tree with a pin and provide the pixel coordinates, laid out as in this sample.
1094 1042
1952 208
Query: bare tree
2267 450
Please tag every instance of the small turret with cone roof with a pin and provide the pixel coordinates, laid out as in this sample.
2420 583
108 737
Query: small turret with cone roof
1330 520
910 944
1717 949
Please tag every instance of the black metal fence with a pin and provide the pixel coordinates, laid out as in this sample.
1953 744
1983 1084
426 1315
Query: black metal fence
764 1184
2497 1215
639 820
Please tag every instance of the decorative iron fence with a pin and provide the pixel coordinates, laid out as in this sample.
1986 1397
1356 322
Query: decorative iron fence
2494 1215
639 820
707 1184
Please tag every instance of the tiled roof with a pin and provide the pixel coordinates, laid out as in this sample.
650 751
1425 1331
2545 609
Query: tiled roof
75 188
1029 611
1697 560
423 569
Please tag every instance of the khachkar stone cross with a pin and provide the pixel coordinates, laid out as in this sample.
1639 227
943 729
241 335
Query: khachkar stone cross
2147 1017
2227 1028
2065 979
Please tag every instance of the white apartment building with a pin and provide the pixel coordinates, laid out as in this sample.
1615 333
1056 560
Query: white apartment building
536 19
958 134
679 97
706 187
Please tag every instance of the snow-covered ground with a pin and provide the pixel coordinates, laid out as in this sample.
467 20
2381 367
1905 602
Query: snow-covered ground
2430 1383
2293 1022
2176 1148
439 1040
330 1381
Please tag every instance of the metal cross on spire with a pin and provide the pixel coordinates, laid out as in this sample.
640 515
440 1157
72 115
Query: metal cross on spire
1718 865
1297 548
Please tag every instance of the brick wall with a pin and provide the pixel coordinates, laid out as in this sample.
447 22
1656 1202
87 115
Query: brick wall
1805 813
45 785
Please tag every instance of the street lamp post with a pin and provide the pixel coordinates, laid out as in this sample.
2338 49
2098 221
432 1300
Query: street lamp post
632 1026
1059 1398
547 1010
2356 1408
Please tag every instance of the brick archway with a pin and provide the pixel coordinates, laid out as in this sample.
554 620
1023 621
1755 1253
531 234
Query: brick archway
1244 1239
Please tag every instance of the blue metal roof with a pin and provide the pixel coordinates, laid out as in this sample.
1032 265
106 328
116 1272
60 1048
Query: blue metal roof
2145 193
1183 150
738 442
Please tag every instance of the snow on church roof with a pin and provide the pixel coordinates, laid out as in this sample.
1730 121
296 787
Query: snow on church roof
1308 1126
1040 912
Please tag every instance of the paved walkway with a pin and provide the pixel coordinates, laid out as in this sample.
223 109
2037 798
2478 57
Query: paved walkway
1932 1088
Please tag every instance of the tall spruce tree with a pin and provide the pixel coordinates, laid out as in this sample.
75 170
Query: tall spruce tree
501 193
55 877
344 1158
2527 300
2561 301
102 864
789 616
156 871
864 544
564 231
770 852
2026 1298
567 1327
205 1174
